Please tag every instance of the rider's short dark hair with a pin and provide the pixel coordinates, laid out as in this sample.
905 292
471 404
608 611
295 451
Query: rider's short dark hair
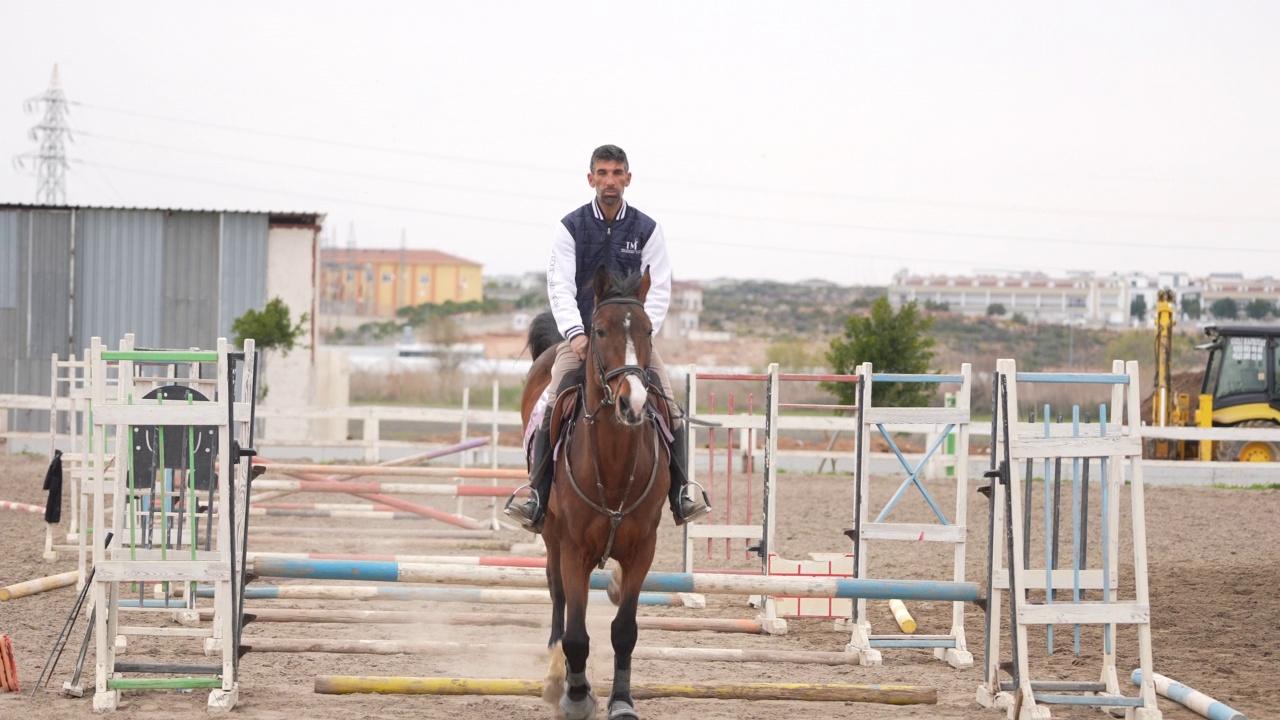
609 152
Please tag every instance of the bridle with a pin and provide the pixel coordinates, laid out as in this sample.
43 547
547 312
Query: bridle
615 516
604 377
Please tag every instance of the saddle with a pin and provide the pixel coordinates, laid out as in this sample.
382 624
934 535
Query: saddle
563 409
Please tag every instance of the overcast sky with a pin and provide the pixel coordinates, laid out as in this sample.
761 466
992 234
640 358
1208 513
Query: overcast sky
837 140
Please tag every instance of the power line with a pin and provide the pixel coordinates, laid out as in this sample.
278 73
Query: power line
490 191
890 200
320 141
312 168
786 249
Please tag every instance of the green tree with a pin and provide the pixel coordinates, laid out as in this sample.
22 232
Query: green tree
1224 309
1138 308
1259 309
269 328
892 343
1191 307
996 310
791 355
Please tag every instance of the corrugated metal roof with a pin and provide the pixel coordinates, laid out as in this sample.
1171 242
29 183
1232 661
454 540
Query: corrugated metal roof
285 217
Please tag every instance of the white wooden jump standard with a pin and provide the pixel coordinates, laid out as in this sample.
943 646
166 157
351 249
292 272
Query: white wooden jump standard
938 422
1119 445
761 534
129 559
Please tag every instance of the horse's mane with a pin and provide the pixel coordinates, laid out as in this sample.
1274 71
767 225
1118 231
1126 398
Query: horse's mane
621 285
544 334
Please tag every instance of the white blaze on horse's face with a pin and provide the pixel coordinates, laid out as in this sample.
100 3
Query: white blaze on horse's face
637 394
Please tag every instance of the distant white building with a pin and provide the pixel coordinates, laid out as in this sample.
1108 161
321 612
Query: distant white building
1078 298
684 313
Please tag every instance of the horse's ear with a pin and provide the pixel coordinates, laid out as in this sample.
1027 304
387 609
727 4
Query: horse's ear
643 290
601 283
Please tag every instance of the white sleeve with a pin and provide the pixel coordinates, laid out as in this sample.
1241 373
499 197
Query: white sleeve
659 298
562 283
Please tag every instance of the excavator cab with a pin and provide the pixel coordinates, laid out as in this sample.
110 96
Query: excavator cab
1242 377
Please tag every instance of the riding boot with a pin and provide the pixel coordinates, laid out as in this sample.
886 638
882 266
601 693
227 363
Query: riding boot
533 511
684 508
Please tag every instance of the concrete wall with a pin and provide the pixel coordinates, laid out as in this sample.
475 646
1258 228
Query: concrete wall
333 389
291 276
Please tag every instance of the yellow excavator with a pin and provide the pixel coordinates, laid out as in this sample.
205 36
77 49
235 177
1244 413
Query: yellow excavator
1241 388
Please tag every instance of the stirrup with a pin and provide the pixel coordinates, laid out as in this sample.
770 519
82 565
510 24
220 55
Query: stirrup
522 512
698 511
512 497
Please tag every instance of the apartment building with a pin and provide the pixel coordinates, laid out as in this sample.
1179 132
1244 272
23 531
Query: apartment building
376 283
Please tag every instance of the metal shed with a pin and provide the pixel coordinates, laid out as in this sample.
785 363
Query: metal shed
173 278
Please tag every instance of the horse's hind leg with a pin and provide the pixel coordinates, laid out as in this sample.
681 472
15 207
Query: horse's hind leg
625 631
553 687
555 583
578 702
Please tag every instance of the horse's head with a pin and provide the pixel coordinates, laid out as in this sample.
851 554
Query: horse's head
620 340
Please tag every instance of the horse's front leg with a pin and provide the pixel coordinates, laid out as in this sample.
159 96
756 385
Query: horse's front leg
578 702
624 630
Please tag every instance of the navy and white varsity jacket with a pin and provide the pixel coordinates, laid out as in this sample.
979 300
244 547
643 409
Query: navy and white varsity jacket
584 242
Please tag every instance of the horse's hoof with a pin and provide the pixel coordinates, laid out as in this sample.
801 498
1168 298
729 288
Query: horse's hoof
582 709
622 710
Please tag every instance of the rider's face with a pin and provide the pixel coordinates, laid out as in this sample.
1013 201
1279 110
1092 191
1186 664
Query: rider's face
610 179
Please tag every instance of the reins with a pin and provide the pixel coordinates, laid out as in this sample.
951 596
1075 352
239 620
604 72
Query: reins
615 516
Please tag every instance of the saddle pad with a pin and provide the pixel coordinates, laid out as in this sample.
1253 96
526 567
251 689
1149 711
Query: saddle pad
535 421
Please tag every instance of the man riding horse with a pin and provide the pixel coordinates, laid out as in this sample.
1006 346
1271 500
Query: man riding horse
605 233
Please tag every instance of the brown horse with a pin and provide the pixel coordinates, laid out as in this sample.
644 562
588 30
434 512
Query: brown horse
612 475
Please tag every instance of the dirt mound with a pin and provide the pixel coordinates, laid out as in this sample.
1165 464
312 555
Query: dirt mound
1185 383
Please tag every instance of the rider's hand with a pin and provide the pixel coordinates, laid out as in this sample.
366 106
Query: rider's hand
579 345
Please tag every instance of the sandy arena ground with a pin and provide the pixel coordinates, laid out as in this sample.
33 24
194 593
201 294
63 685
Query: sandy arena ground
1215 583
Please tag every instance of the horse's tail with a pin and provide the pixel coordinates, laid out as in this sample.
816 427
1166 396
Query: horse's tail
543 334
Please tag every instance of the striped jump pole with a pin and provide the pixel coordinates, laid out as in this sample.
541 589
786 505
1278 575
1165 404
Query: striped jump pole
472 473
441 647
704 583
375 532
1189 698
534 620
279 537
359 470
888 694
380 487
497 596
329 473
345 514
477 560
21 507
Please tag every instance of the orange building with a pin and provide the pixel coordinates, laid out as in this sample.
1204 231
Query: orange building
376 283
